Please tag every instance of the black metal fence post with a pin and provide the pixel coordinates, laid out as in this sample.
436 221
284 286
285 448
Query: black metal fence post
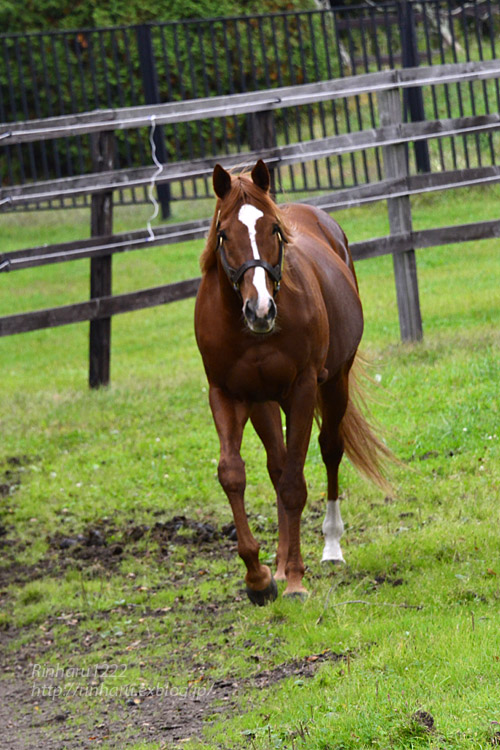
413 99
263 136
152 96
101 224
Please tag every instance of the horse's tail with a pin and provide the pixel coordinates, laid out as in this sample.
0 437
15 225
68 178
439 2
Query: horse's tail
366 451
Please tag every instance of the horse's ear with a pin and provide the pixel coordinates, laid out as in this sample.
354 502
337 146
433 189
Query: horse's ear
261 176
221 181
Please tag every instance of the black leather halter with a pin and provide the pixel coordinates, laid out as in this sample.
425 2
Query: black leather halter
236 274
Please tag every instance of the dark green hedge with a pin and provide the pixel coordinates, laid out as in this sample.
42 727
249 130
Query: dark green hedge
43 15
43 75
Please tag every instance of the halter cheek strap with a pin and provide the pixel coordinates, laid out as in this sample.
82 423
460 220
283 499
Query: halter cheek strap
236 274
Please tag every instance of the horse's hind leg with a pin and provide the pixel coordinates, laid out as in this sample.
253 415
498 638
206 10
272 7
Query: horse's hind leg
230 417
266 419
333 400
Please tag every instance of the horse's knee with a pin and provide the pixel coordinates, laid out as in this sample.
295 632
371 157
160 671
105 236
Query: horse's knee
293 491
275 470
231 472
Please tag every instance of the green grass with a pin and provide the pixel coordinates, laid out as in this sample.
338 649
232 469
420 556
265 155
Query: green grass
145 450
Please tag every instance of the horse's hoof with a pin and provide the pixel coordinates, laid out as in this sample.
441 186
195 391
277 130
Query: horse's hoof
332 553
334 561
260 598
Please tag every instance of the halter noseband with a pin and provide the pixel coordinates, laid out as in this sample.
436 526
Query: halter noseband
236 274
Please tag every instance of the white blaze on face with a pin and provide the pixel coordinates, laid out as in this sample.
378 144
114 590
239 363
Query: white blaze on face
249 215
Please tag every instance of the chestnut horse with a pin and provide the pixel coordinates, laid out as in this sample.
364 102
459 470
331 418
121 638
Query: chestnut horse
278 321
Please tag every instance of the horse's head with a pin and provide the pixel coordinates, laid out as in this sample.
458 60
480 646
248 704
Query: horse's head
250 243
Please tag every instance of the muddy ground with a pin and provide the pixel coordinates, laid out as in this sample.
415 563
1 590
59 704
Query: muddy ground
34 714
29 721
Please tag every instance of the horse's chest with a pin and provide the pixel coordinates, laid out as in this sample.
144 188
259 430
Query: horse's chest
261 376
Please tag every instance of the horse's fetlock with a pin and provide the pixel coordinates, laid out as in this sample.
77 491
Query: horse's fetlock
296 570
249 552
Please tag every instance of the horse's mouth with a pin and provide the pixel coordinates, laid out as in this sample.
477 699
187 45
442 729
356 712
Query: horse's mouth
261 328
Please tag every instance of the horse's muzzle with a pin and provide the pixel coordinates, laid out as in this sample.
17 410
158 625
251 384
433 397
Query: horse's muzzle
256 322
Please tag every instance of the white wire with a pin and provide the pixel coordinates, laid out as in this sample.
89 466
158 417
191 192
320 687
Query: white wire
6 262
29 259
152 184
281 160
347 203
223 110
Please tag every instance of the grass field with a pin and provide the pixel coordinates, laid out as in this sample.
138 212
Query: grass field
124 621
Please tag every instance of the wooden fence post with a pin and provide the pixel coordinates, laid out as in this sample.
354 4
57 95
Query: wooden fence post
399 209
101 224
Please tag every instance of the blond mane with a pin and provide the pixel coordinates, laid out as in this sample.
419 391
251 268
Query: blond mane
243 190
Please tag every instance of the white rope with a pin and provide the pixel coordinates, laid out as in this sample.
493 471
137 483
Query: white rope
156 174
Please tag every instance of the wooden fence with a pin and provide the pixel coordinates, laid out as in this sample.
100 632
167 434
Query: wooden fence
393 136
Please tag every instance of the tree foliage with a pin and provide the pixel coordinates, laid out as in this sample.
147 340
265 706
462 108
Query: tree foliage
82 69
43 15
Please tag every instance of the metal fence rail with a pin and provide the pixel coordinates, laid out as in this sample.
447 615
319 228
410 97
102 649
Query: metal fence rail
55 73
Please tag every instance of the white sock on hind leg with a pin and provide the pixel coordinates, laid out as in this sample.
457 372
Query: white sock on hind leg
333 528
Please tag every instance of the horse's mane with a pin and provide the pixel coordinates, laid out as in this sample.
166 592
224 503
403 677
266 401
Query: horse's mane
243 190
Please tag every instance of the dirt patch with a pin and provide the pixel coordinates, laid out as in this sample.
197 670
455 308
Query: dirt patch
32 721
299 668
105 543
159 713
38 709
424 720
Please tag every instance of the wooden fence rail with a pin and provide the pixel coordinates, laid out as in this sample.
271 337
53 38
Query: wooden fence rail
105 307
226 106
393 136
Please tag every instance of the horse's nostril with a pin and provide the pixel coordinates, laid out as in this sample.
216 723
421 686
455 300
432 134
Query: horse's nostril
271 314
249 312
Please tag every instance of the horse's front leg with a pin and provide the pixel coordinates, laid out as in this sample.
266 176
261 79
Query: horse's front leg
266 419
299 409
230 417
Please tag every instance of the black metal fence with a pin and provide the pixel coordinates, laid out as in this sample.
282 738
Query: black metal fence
46 74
